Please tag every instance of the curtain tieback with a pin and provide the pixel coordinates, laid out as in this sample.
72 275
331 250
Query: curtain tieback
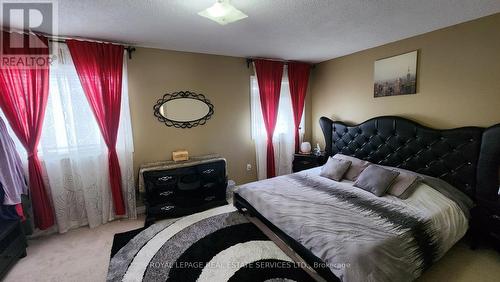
31 154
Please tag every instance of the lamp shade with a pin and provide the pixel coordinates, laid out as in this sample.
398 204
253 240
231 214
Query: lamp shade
305 147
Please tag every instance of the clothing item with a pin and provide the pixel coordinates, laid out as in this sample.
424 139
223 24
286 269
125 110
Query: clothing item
12 176
7 212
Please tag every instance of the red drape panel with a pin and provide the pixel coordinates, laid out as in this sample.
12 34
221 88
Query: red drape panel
269 75
23 99
298 77
99 67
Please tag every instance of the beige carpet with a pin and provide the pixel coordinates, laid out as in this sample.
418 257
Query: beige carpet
83 255
79 255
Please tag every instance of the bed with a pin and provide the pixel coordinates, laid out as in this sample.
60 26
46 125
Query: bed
340 232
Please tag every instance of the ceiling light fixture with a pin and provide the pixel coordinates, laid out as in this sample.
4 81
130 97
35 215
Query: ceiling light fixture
222 12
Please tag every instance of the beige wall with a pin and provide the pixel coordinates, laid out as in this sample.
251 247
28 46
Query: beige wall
225 82
458 80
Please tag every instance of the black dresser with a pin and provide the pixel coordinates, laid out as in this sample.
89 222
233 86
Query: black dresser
12 244
184 189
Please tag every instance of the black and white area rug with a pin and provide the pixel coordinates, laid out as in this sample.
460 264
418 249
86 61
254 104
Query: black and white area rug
213 246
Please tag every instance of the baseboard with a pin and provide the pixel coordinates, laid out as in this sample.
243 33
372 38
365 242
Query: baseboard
141 210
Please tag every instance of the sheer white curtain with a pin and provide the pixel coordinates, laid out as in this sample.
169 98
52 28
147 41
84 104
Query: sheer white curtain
74 155
283 138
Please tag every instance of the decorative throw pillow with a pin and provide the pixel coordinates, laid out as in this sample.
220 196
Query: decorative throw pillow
404 185
335 169
357 166
376 179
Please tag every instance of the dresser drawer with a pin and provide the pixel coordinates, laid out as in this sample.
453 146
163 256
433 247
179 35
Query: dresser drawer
170 210
302 162
157 179
200 198
164 209
189 182
306 163
213 198
161 196
212 172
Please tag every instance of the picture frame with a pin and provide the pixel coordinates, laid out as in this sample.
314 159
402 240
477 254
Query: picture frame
396 75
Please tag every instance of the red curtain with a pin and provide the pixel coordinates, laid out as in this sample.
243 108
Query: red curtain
99 67
269 75
298 77
23 98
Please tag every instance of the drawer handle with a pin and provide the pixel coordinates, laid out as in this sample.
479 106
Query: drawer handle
209 185
166 193
167 208
208 171
209 198
165 178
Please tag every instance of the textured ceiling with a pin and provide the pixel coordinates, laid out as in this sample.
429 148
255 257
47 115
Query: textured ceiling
309 30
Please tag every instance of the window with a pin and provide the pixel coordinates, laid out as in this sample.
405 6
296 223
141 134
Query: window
284 123
284 135
69 123
74 155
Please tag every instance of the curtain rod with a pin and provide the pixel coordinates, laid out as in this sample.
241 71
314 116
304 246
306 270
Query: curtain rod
62 39
250 61
128 48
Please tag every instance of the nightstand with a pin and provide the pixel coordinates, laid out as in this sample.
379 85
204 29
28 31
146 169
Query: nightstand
307 161
485 225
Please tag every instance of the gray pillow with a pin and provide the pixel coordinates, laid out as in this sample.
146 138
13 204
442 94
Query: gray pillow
376 180
335 169
357 166
404 185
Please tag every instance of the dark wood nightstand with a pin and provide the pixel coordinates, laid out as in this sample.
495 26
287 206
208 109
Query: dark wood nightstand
303 161
485 226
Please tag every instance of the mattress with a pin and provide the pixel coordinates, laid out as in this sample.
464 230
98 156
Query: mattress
359 236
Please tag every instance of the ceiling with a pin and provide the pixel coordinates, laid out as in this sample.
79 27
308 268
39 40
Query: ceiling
307 30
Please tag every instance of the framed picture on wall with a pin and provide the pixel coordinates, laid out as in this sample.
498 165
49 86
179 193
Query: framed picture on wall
396 75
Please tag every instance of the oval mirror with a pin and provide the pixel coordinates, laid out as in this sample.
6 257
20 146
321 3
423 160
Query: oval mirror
183 109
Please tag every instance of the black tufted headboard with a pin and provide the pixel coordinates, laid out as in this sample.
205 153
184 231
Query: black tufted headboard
453 155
